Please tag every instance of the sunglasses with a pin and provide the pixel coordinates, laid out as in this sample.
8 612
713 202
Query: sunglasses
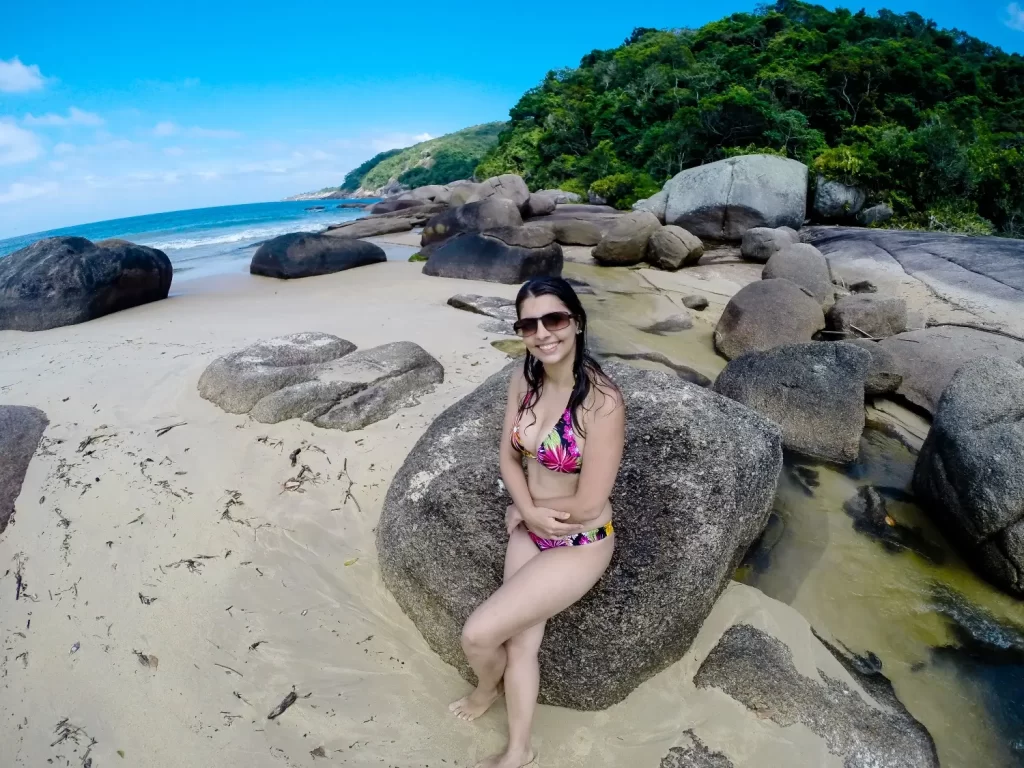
553 321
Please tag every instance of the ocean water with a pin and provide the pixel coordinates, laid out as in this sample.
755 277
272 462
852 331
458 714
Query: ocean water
206 241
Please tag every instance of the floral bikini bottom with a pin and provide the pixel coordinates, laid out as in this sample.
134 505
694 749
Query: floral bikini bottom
576 540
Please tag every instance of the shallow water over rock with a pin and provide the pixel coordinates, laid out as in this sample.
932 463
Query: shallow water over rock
883 582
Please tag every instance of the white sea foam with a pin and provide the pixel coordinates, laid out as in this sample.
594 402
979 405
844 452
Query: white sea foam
226 238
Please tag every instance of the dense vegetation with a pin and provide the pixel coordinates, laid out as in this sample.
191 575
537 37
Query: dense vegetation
929 120
436 161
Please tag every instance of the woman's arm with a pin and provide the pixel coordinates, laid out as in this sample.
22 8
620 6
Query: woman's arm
510 462
543 521
606 434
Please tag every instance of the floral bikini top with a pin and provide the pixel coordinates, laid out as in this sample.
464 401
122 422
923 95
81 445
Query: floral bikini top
558 451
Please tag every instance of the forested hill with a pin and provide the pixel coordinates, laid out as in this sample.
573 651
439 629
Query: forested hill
435 161
928 120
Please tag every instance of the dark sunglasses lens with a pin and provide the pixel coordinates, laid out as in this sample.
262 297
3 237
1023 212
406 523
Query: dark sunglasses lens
526 327
556 321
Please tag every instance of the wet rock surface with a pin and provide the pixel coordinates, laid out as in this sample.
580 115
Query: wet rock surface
757 670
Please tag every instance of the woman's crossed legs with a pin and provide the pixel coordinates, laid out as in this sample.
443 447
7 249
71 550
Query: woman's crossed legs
503 636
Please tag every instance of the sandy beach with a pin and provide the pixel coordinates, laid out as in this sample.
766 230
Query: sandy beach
164 590
176 587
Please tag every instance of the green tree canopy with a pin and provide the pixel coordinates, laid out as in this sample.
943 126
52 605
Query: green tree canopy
924 118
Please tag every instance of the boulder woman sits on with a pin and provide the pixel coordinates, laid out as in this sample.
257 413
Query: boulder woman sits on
566 418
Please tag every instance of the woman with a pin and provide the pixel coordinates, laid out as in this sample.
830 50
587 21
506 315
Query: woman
566 418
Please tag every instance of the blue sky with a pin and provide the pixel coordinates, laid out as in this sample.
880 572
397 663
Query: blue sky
116 109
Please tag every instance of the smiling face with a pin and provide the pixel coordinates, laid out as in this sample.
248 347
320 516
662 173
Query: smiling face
548 346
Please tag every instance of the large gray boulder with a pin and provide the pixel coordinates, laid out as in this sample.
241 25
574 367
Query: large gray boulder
321 379
356 390
507 186
21 429
480 216
66 280
680 531
560 196
970 471
766 314
655 204
491 306
432 193
579 224
804 265
863 725
371 227
720 201
871 313
814 391
761 243
928 358
505 255
876 214
835 201
396 204
572 231
625 242
238 380
884 376
539 205
301 254
673 247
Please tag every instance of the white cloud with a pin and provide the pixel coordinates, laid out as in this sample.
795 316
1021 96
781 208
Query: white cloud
17 145
168 128
58 166
398 141
75 116
1014 17
22 191
213 133
64 148
15 77
165 129
174 151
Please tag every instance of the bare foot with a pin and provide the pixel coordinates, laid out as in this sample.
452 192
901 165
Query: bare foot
475 704
510 758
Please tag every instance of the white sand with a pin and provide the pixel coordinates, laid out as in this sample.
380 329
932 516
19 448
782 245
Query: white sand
294 572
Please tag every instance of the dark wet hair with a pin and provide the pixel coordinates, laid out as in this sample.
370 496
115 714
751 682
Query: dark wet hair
587 372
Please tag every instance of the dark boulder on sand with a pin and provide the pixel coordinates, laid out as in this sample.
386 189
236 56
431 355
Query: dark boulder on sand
695 488
67 280
21 428
481 216
302 254
321 379
505 255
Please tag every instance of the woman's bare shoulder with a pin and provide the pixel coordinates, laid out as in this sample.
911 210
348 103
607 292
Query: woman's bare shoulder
604 397
517 382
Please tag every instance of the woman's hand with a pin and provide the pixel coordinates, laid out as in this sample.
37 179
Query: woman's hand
513 518
547 523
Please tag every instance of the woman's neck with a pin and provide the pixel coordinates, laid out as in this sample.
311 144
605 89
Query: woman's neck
560 375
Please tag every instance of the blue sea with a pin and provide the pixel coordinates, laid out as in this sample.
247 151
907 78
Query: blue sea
206 241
